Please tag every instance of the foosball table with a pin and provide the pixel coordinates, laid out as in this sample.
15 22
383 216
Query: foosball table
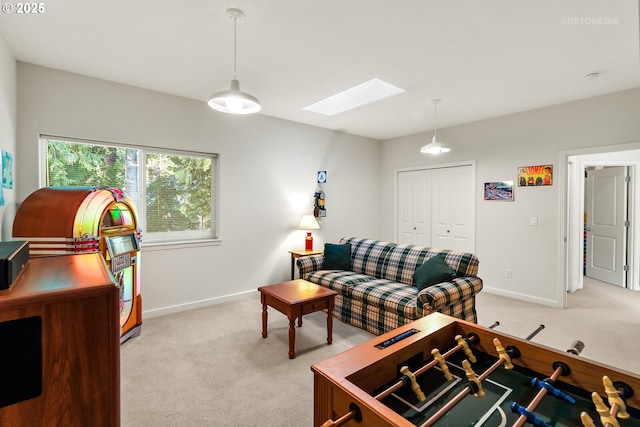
443 371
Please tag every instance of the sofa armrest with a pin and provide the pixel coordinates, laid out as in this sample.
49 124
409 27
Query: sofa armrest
307 264
438 297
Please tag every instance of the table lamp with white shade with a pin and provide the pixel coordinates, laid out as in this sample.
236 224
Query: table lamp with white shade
308 222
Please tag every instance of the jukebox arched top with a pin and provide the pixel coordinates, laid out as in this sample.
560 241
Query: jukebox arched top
76 219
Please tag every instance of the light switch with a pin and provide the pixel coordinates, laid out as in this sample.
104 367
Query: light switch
533 220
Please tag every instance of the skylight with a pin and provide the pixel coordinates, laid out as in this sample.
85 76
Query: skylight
357 96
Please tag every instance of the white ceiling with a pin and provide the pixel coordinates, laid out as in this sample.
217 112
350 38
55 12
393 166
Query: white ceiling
482 58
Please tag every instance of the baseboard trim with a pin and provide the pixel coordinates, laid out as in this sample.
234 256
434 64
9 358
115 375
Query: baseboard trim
522 297
164 311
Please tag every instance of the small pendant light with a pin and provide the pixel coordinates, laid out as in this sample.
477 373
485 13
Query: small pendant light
435 147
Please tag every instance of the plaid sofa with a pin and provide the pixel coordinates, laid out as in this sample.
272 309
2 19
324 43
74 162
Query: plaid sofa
377 293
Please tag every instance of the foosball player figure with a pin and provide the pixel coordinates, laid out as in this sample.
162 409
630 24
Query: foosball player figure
473 378
616 398
414 384
586 420
465 347
443 365
502 353
603 411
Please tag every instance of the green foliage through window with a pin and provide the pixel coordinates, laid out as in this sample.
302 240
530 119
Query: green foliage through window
84 164
176 187
178 193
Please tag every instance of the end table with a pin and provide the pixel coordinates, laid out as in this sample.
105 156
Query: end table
295 299
297 253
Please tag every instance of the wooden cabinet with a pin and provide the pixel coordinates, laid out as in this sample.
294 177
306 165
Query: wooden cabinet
60 332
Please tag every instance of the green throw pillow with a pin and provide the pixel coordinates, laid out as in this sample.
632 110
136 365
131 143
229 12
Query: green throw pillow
434 270
336 257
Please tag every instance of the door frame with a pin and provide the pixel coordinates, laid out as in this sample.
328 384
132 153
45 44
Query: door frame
471 163
571 181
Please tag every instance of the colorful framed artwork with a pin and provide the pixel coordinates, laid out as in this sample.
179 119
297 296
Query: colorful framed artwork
532 176
7 169
500 191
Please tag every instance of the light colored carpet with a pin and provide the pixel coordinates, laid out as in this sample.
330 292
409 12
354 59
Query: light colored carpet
211 366
605 317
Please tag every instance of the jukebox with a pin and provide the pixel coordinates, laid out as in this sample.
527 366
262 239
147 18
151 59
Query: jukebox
74 220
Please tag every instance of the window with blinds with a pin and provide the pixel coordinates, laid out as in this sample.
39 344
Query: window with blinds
173 191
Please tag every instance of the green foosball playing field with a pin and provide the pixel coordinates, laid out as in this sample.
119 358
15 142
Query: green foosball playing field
502 389
482 377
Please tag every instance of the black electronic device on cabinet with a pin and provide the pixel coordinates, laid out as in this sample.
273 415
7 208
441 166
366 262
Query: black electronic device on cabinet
13 257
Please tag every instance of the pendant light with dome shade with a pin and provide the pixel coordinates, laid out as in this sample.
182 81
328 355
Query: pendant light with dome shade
435 147
234 101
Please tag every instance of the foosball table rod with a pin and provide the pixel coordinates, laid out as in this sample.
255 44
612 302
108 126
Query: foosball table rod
547 385
353 414
534 333
504 359
522 419
462 345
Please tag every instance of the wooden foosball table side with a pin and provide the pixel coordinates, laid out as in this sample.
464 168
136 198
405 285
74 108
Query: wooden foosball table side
331 403
346 381
344 385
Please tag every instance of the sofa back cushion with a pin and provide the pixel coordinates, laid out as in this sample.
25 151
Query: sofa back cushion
394 262
403 260
367 256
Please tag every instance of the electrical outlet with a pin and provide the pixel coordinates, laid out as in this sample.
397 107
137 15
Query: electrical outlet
509 273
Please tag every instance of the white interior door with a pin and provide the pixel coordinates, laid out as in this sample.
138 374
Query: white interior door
606 231
453 209
414 215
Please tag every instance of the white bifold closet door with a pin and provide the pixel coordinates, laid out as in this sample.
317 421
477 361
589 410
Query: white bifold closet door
436 207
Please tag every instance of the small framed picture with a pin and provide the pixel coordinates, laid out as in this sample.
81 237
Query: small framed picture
322 177
500 191
7 169
535 176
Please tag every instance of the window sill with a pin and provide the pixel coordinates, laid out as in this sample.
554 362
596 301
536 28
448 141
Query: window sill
162 246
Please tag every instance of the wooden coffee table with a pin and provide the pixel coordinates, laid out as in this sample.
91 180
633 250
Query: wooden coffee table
294 299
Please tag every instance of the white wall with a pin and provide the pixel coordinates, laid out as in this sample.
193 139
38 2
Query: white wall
267 178
8 119
268 174
504 238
